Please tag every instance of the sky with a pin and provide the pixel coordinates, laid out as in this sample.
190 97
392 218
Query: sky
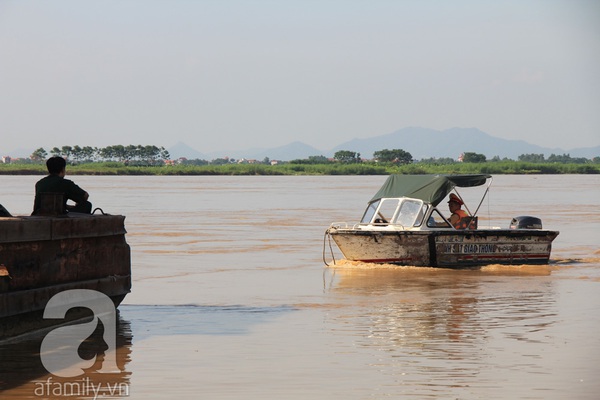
238 74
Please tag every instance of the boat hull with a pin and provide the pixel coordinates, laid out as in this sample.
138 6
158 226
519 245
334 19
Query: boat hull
42 256
453 249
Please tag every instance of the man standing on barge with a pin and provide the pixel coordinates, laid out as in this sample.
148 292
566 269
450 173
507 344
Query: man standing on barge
55 182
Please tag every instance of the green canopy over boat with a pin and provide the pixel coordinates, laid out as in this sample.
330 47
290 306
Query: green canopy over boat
429 188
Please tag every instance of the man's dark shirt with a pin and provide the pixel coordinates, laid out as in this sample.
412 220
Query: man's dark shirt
56 184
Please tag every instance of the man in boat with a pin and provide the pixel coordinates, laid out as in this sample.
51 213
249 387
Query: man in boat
55 182
459 218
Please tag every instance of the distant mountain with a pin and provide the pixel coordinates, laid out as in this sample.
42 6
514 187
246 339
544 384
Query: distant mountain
183 150
419 142
293 151
426 143
587 152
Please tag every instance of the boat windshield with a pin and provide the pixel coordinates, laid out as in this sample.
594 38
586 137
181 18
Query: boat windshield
395 211
437 221
381 212
370 212
409 211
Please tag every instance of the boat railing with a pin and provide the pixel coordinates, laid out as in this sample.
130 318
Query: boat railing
361 225
370 225
381 225
337 225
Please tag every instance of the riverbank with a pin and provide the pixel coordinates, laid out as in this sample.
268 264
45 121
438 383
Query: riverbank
495 168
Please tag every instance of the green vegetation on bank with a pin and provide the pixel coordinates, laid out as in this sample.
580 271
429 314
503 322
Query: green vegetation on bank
153 160
364 168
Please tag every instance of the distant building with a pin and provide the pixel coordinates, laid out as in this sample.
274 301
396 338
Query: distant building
247 161
6 159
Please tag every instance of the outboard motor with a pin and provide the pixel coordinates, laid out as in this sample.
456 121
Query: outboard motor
526 222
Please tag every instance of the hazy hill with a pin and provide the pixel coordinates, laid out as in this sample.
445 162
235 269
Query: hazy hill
587 152
420 142
426 143
292 151
183 150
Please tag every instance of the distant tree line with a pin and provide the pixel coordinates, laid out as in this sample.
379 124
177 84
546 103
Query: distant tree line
555 158
402 157
153 155
221 161
134 155
395 156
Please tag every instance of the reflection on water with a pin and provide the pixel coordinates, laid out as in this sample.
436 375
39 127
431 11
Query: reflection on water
190 319
412 307
22 374
479 330
497 332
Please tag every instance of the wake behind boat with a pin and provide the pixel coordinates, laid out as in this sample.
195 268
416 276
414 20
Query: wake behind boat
402 225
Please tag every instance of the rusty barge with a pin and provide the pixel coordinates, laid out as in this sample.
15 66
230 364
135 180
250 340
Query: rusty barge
403 225
41 256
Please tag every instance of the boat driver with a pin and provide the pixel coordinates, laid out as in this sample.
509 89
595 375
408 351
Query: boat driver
456 219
